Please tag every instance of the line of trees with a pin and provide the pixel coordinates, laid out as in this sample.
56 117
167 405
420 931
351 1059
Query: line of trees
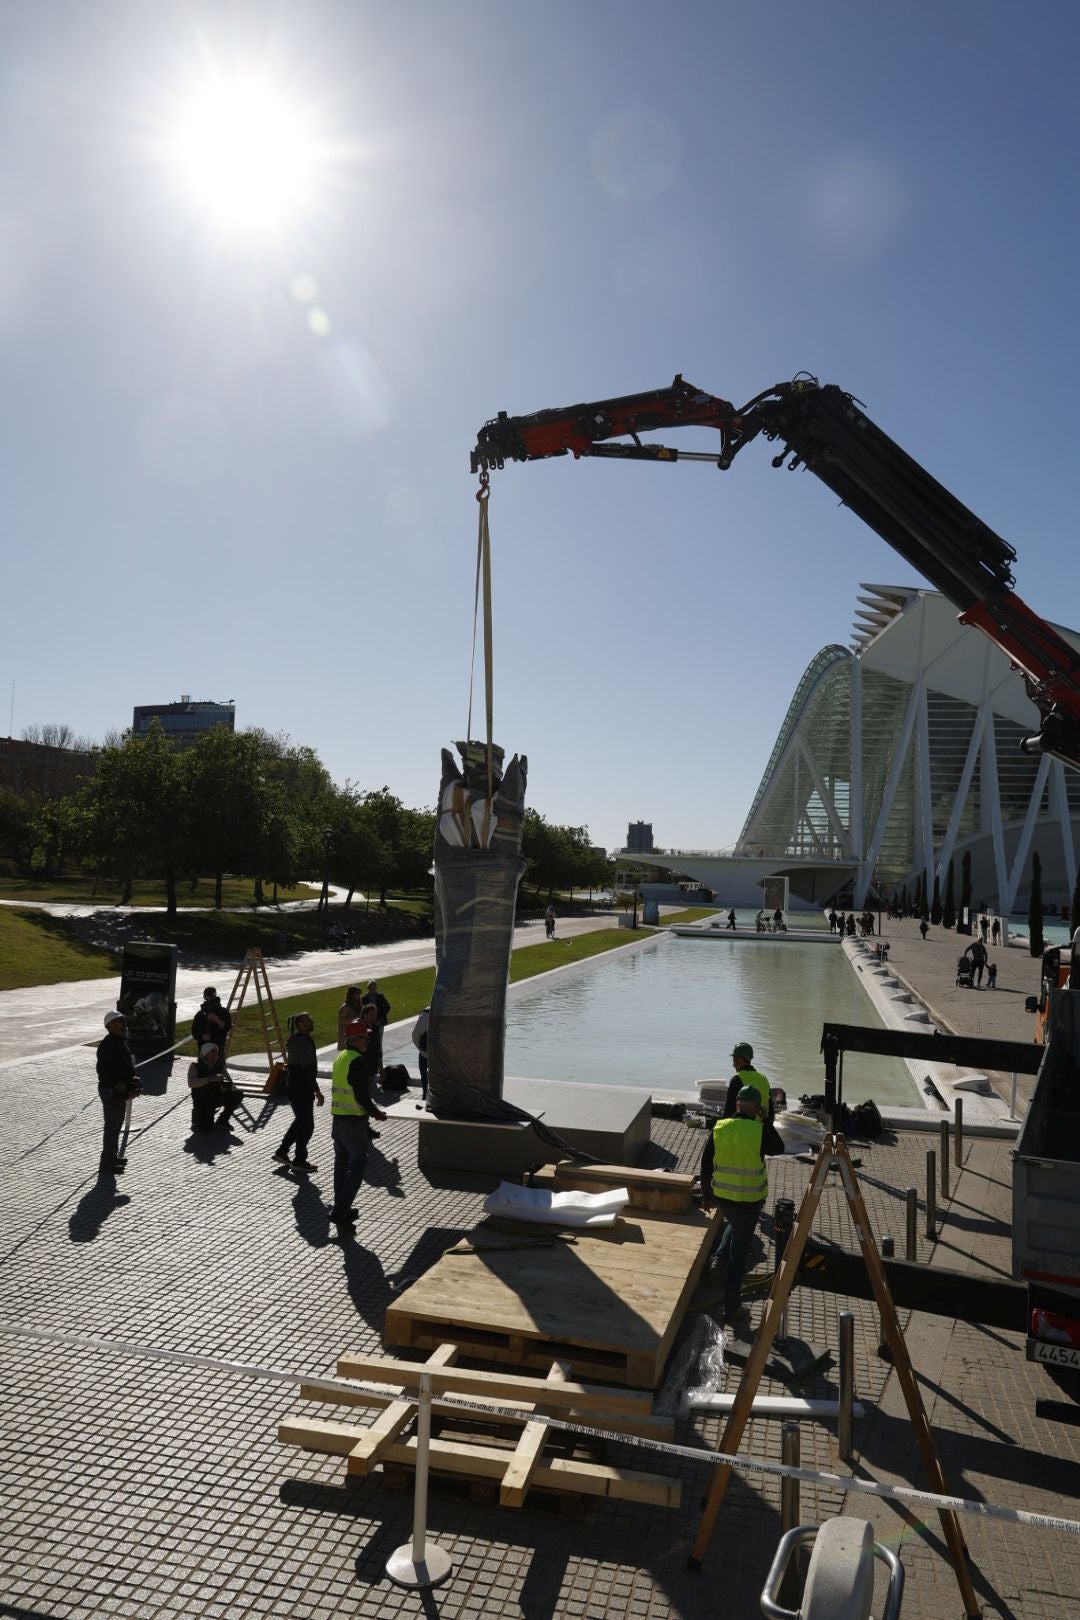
251 805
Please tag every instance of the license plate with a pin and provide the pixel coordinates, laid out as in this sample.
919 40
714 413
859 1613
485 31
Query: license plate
1057 1355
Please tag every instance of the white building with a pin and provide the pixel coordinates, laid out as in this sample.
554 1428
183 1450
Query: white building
896 756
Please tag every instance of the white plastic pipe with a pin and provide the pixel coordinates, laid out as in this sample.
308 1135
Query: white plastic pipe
772 1406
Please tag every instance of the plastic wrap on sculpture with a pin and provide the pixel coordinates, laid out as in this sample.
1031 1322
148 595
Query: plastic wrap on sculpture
478 866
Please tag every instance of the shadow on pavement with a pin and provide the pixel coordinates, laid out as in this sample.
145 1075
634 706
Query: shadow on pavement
92 1211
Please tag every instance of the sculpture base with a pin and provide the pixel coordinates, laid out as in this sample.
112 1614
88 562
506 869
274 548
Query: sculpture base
611 1123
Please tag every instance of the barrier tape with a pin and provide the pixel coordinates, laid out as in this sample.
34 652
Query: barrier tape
709 1459
155 1055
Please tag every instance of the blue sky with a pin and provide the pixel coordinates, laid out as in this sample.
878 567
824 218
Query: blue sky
236 457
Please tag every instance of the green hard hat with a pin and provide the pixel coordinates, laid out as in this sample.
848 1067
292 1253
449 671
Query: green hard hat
744 1049
748 1095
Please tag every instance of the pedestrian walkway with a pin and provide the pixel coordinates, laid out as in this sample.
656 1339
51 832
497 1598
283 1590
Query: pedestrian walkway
46 1018
132 1488
928 969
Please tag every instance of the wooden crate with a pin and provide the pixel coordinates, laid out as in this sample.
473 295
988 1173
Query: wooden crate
518 1465
608 1304
665 1191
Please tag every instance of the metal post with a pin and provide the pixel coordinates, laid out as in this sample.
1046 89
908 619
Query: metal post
959 1128
944 1158
931 1193
845 1445
790 1590
421 1563
911 1251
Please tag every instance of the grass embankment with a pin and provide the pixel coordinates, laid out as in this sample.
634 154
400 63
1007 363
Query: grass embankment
692 914
408 993
88 891
38 949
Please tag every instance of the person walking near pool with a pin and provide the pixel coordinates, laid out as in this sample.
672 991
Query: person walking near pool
351 1106
734 1179
731 918
117 1083
303 1091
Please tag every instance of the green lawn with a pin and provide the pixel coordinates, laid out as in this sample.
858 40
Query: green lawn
87 891
692 914
38 949
407 993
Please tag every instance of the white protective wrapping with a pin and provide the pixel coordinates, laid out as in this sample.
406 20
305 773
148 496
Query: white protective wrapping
538 1206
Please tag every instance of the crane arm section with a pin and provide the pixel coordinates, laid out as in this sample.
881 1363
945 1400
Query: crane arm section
825 430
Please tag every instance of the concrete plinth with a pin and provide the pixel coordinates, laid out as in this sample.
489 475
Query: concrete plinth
611 1123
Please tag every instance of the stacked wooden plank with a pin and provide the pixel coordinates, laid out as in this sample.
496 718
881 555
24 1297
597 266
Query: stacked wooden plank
507 1446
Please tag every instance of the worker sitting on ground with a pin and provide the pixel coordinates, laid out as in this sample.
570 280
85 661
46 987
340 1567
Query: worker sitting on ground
211 1091
734 1178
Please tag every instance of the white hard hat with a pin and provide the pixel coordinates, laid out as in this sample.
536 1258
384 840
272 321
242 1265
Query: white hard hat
111 1017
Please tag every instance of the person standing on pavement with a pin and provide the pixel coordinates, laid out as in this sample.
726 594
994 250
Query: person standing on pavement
373 997
742 1058
117 1083
924 926
351 1106
212 1023
734 1178
731 918
979 958
303 1091
348 1012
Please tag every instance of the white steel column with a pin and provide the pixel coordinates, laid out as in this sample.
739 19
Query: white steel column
855 804
992 797
924 798
964 788
866 870
1026 833
1060 791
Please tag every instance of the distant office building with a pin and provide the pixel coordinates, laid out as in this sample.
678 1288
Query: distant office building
30 767
184 722
639 839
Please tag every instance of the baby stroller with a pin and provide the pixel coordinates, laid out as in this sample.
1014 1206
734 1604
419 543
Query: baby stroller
965 973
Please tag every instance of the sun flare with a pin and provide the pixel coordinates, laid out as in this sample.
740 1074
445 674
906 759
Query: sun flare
246 153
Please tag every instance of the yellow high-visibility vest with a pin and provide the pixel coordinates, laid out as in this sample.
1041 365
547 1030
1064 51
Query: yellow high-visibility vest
739 1172
751 1077
342 1096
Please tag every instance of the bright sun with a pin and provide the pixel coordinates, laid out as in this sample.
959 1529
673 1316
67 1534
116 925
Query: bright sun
246 153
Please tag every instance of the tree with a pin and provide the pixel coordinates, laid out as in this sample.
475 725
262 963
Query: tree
948 914
1035 908
935 904
135 811
965 893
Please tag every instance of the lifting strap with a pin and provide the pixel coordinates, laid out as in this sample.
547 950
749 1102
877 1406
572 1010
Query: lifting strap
483 573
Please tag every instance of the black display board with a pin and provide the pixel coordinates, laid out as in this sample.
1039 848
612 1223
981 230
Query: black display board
148 994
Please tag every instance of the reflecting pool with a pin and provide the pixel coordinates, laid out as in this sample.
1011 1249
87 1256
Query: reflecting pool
668 1015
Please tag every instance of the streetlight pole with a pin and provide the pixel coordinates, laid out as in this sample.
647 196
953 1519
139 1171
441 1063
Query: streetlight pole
324 902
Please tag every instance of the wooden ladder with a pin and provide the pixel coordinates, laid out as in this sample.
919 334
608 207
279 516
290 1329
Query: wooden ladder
252 972
834 1156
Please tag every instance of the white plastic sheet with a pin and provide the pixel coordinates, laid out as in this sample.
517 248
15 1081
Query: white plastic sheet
537 1205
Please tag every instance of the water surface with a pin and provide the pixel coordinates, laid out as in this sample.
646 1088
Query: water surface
668 1015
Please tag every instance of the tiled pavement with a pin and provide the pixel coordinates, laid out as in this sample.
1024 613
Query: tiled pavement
134 1488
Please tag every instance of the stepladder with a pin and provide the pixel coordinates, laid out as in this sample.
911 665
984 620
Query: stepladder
834 1156
252 977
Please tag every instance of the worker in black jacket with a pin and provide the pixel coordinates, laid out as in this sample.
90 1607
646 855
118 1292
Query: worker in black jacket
303 1090
117 1082
212 1022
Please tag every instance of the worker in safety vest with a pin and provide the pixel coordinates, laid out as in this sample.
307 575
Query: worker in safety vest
351 1106
734 1178
746 1075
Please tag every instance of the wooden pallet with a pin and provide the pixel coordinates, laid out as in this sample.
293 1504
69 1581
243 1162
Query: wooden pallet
607 1302
462 1446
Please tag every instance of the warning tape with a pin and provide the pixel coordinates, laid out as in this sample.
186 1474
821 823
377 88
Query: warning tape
710 1459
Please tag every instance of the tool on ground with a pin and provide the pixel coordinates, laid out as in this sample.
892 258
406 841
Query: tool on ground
834 1156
